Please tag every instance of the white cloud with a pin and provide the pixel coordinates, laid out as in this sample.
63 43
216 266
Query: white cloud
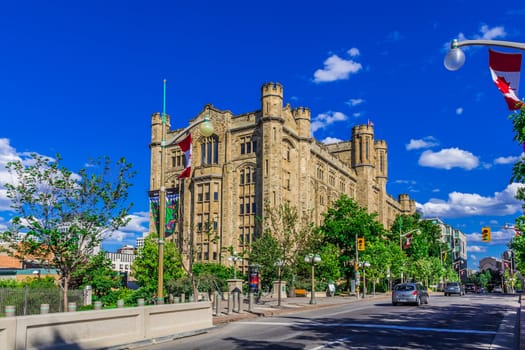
476 249
506 160
330 140
324 119
355 101
449 158
472 204
425 142
459 111
128 234
492 33
337 68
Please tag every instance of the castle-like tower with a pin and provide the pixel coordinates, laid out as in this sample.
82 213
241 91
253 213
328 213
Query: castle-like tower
270 156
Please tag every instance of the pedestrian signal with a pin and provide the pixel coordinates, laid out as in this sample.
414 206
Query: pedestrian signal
361 243
485 234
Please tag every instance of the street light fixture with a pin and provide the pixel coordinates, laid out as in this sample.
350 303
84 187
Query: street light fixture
455 58
235 258
206 129
312 259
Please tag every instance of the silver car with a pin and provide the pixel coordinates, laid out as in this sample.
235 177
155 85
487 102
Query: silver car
410 293
454 288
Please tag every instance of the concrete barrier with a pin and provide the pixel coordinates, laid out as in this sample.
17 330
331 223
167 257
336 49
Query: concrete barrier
102 328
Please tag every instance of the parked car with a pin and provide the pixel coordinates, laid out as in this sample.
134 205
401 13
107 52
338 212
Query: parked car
470 288
454 288
497 290
410 293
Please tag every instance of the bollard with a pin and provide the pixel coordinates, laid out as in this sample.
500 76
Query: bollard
10 310
217 302
236 300
171 299
72 307
230 303
88 295
140 302
120 303
97 305
44 308
182 298
250 302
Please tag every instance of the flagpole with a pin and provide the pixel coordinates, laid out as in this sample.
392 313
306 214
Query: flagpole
206 128
162 204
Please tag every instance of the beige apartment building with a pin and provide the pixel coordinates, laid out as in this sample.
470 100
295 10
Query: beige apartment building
268 155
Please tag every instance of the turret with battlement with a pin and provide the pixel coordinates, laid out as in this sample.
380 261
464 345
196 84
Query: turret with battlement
302 117
272 100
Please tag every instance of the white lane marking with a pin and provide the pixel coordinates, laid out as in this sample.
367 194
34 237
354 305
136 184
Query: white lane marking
369 325
340 341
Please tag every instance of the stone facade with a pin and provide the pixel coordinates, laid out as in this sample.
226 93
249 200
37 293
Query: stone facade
268 155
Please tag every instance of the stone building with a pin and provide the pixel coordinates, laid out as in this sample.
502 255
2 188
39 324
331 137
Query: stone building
268 155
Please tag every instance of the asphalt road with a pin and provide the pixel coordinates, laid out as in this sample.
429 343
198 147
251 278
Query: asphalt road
483 321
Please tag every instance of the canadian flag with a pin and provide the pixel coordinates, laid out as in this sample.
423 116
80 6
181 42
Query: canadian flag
185 146
505 71
409 241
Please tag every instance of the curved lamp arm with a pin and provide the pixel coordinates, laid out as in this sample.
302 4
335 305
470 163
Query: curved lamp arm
455 58
206 130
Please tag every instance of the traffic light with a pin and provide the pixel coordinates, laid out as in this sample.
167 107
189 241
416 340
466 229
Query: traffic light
485 234
361 243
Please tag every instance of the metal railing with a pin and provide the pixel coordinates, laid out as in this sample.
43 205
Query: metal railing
27 301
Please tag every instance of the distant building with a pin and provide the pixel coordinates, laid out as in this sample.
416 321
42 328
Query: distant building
121 261
456 242
140 240
266 156
491 263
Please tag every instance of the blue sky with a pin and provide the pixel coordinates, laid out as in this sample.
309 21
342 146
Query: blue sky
82 79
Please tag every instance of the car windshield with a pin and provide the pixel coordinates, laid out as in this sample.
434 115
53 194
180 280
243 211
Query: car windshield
452 284
404 287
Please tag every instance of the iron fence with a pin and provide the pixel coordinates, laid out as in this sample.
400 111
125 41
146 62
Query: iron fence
27 301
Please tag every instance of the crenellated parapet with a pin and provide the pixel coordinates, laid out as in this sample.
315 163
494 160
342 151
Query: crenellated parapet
302 116
269 89
380 145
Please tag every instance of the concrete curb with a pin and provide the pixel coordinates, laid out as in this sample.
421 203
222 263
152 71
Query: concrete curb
288 307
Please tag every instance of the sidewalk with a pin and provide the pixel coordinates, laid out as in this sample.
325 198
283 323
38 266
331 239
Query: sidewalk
267 306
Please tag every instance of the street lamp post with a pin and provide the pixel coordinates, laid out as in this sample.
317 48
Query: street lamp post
279 264
364 264
455 58
312 259
206 130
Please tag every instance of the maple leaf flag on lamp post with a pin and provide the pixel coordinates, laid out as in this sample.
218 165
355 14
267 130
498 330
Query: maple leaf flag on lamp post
185 146
505 71
409 241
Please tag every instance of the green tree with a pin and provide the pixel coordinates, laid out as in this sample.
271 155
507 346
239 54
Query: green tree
62 216
293 234
265 252
343 222
98 273
145 267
